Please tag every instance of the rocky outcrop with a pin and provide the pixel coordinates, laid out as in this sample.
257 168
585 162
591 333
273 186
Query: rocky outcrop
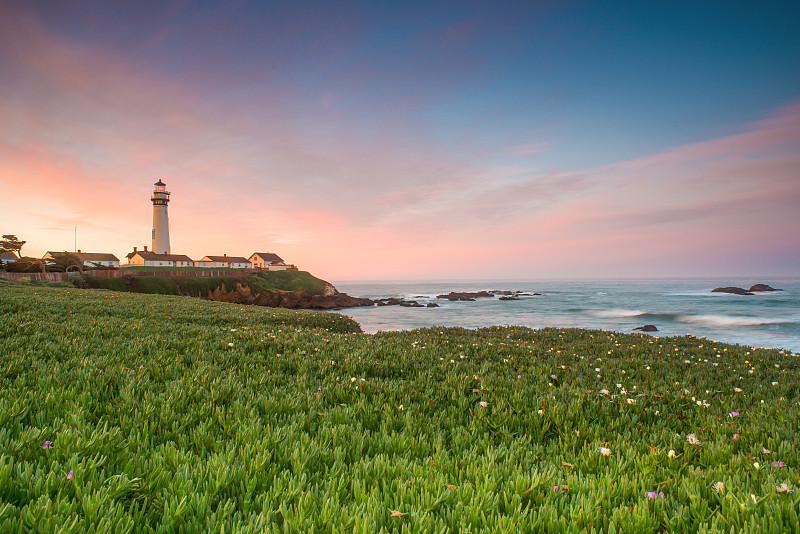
732 290
308 301
509 298
762 287
326 300
647 328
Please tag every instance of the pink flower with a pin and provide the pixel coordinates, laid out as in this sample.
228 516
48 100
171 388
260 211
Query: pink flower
69 475
319 388
736 436
778 464
47 444
734 414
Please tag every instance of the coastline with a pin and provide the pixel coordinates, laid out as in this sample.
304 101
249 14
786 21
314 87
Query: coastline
676 306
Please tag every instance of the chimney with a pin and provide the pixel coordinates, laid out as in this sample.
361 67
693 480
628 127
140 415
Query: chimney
145 248
224 255
79 251
134 249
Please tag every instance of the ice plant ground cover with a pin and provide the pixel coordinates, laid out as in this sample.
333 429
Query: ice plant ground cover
126 412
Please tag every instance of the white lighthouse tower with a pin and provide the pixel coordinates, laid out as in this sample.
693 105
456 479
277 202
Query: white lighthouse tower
160 200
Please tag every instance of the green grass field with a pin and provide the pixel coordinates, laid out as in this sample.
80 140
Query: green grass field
124 412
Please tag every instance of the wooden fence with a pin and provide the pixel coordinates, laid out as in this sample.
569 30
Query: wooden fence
100 273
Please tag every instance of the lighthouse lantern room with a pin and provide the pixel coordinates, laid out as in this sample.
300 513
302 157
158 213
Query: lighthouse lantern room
160 200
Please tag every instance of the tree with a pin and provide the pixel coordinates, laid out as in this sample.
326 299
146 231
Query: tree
10 242
65 261
26 265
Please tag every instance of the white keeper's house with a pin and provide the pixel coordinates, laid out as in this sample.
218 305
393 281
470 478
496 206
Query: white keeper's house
151 259
233 262
88 259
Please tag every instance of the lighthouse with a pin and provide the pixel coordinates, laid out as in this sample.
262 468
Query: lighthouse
160 200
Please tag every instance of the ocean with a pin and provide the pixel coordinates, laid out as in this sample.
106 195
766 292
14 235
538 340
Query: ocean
675 306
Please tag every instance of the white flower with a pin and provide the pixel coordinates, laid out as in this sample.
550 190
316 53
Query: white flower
755 464
541 412
484 404
671 454
691 438
719 487
604 451
230 344
774 383
604 392
765 450
783 488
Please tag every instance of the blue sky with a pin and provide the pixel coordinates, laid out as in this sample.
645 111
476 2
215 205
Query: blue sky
368 122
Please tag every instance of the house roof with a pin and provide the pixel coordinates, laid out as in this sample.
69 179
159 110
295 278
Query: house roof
152 256
85 256
267 256
226 259
8 255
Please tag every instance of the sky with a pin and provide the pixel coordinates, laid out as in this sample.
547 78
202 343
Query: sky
410 140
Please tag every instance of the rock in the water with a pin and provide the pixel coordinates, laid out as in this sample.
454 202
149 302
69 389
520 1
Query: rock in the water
508 298
454 295
395 301
732 290
647 328
763 287
432 305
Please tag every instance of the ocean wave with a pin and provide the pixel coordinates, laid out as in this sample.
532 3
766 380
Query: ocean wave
731 320
708 320
617 312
